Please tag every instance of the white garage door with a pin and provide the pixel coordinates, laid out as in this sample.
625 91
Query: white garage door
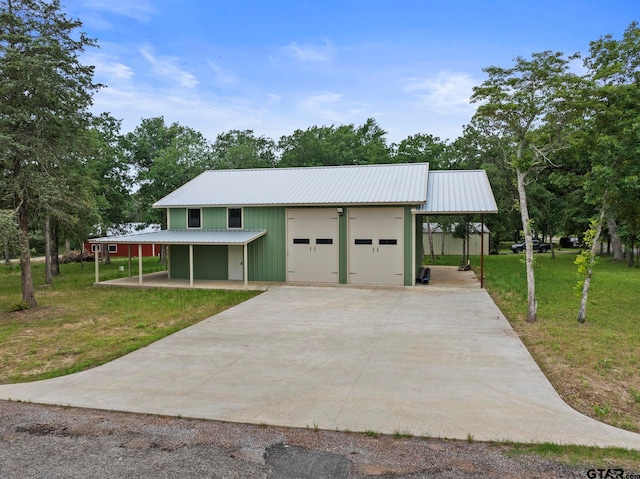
376 246
312 245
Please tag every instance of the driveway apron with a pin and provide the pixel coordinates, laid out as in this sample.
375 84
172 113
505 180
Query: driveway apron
439 362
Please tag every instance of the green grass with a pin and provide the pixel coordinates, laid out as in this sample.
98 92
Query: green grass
78 326
581 456
594 366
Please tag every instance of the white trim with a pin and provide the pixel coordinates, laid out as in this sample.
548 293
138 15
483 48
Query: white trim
194 227
241 217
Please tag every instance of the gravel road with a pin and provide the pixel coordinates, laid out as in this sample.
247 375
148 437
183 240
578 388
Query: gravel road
43 441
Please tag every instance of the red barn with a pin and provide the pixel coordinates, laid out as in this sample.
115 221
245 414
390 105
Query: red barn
122 250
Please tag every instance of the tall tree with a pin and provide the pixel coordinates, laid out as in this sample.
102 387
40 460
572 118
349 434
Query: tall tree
242 149
335 145
420 148
613 180
46 92
533 105
164 158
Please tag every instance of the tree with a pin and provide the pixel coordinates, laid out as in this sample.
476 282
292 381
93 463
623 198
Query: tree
533 105
332 146
164 158
613 180
421 148
242 149
108 172
46 92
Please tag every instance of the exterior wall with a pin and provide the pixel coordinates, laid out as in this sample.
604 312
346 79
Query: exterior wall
267 254
453 246
408 267
123 250
420 245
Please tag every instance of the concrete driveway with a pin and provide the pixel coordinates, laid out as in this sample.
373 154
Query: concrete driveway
441 362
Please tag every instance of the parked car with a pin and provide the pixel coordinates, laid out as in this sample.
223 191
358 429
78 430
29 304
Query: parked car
569 242
538 246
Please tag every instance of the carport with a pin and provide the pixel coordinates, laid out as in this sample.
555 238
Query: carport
460 193
182 237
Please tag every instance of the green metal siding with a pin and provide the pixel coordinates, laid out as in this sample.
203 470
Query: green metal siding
267 254
343 238
214 218
408 267
178 218
209 262
419 243
179 261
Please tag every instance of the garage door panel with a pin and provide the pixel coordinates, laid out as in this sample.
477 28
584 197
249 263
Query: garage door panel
376 246
312 245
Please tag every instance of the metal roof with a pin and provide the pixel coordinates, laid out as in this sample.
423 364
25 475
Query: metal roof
192 236
404 183
458 192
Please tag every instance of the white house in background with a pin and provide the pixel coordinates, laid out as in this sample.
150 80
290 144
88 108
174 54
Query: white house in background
446 244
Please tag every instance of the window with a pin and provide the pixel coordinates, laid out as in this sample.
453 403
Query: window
324 240
234 218
194 219
388 241
113 248
363 241
300 240
95 248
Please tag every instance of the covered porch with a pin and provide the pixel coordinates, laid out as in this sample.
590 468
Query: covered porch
188 238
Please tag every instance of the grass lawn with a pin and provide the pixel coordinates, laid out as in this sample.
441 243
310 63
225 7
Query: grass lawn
78 326
594 366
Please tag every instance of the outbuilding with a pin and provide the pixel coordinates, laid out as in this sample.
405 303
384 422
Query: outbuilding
333 225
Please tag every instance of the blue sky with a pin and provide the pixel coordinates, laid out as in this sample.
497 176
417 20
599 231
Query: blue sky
273 66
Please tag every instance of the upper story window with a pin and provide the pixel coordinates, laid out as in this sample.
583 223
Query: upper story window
194 218
234 218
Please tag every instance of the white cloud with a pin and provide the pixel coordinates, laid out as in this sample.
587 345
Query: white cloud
324 105
107 69
141 10
446 93
167 68
309 53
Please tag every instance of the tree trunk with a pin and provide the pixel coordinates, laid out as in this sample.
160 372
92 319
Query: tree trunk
55 243
616 244
582 312
67 246
28 292
48 277
431 254
630 256
532 305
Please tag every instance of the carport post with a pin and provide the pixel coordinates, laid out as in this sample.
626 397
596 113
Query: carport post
482 250
129 253
97 267
245 266
191 265
140 264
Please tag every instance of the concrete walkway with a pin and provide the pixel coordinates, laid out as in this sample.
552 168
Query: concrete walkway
429 360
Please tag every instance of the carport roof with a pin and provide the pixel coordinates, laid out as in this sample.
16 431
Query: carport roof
192 236
458 192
